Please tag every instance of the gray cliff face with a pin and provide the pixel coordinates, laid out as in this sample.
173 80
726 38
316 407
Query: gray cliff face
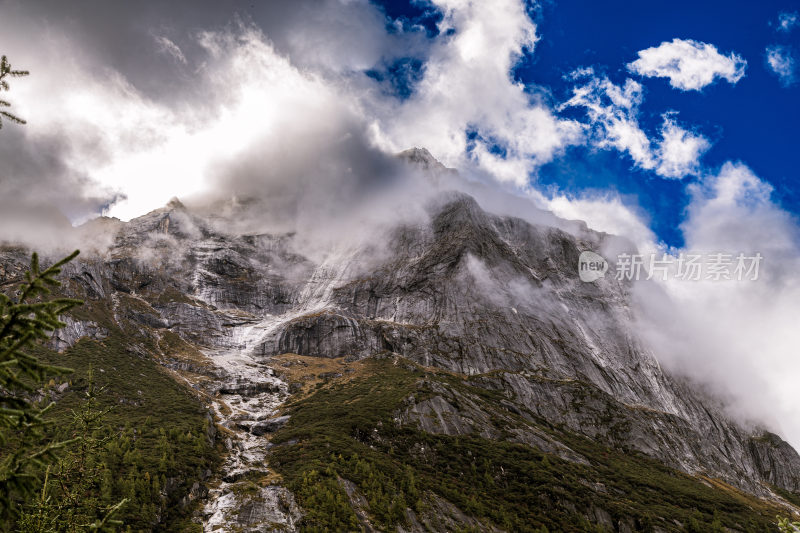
493 297
477 294
74 330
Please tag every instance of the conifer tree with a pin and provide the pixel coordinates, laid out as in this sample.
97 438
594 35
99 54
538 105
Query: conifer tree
71 499
27 317
7 72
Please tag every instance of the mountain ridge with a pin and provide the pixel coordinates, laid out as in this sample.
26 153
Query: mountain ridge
492 298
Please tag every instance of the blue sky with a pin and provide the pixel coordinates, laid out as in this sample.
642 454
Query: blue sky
756 120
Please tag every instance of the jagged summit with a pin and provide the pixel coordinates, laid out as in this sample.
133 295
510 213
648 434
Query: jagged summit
424 159
175 203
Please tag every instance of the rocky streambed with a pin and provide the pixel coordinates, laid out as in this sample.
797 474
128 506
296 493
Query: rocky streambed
246 396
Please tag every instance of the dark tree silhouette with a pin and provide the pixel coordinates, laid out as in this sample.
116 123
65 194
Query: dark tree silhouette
27 316
7 72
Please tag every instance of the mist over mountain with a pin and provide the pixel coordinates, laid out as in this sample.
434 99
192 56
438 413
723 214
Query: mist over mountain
400 265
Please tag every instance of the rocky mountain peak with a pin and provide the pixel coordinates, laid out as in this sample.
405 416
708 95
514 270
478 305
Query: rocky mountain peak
175 203
489 300
422 158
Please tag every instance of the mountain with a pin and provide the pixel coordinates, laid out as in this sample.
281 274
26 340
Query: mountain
455 375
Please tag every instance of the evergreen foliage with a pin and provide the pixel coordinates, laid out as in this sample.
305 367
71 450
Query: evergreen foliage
347 431
70 500
117 433
7 72
26 317
158 437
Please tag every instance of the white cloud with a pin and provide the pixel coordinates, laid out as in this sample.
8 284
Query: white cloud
339 36
733 209
102 120
689 65
607 212
738 337
787 21
613 113
467 85
126 143
679 151
781 62
148 152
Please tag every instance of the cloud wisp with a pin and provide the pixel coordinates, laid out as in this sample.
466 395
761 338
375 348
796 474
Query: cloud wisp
688 65
787 21
466 109
735 337
612 112
780 61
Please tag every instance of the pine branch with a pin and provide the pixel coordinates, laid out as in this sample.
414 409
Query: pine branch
13 118
7 72
26 317
107 519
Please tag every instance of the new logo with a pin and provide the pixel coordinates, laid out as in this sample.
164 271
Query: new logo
591 266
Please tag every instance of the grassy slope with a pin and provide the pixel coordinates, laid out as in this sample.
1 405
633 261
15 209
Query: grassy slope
345 429
163 446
